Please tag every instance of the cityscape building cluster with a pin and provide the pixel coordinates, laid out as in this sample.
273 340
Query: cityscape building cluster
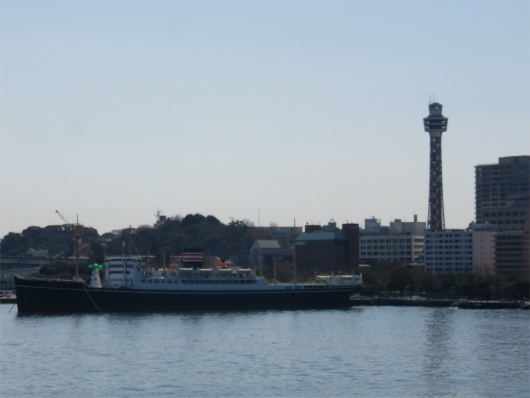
496 244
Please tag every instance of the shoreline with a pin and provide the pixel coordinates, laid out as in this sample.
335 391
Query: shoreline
434 302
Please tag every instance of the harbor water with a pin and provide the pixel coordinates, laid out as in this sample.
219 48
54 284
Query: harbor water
358 352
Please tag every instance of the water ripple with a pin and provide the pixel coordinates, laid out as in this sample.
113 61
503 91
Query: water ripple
361 352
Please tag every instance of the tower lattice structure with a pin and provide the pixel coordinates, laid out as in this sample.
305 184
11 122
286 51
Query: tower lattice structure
435 124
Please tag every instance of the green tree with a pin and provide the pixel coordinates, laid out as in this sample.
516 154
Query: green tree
401 279
33 233
192 219
60 267
216 244
369 277
517 287
448 283
14 244
484 289
469 284
172 236
371 284
426 282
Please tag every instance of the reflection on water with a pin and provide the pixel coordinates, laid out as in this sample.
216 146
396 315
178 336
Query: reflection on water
438 351
362 351
483 352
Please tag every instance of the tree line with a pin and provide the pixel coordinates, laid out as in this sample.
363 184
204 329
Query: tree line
409 281
171 237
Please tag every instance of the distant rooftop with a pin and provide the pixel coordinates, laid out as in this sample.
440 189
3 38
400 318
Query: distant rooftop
321 235
521 159
268 244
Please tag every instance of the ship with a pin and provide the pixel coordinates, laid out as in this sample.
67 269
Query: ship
131 284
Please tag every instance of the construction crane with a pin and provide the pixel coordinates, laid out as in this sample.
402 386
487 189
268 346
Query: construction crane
77 230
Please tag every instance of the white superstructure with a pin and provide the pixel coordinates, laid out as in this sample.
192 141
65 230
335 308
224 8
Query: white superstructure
132 273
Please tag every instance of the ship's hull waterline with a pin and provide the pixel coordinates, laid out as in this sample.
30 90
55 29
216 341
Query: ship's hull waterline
52 296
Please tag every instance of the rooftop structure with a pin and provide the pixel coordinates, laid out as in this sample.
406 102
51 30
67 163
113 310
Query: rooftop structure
283 234
265 251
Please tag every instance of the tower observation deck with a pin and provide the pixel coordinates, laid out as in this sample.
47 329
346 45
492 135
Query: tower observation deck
435 124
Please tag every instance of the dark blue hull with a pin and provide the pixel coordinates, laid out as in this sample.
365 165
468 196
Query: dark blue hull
36 295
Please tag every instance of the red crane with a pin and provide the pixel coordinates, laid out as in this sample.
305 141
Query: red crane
77 230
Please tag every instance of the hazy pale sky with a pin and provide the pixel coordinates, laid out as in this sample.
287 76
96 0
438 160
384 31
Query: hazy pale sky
111 110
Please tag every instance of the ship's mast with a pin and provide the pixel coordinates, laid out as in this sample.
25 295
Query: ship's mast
77 239
76 229
294 235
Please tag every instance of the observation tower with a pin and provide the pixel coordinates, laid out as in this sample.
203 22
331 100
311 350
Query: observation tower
435 124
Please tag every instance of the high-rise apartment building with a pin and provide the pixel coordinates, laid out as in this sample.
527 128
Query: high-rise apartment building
502 192
512 253
502 199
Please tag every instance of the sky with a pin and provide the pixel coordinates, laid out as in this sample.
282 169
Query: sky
269 111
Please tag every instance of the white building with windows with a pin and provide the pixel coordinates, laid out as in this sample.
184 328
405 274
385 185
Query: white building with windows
391 248
401 242
459 251
449 250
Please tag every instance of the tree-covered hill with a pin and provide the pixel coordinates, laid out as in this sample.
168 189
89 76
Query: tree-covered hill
172 236
58 240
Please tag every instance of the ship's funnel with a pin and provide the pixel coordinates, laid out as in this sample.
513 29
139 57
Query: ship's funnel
192 258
